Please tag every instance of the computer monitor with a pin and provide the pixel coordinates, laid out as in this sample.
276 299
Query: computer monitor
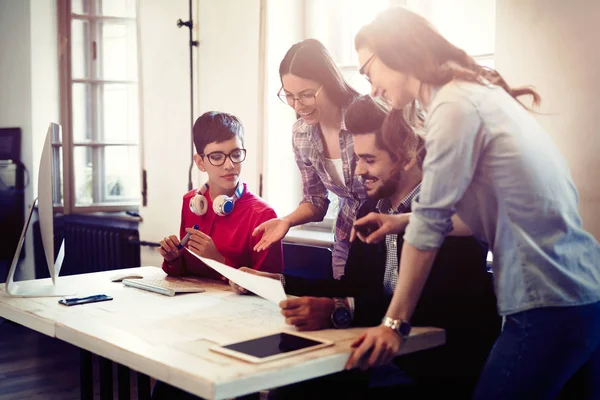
45 203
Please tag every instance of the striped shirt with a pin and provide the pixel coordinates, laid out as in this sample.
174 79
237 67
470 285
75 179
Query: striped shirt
309 151
384 206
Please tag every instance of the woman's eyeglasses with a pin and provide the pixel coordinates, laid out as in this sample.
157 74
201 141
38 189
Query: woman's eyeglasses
306 99
218 158
362 68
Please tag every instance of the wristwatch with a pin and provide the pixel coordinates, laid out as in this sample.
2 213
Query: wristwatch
341 316
400 326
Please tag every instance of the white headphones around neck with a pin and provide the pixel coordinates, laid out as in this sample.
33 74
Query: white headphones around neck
222 204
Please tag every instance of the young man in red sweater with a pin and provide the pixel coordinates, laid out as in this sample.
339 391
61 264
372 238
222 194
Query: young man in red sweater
223 209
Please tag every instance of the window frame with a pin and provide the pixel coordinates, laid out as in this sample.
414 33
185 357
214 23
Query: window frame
66 143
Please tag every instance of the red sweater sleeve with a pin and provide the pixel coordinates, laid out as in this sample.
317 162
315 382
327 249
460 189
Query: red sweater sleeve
177 266
271 259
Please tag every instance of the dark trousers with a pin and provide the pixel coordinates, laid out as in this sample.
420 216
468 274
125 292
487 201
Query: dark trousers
358 385
351 385
542 349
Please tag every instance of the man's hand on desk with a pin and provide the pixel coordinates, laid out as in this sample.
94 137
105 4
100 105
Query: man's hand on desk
305 313
240 290
168 248
308 313
377 346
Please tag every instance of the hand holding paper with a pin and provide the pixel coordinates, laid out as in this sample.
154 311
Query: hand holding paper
270 289
240 290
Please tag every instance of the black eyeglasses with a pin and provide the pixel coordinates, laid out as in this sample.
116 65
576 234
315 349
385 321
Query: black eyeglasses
218 158
304 99
362 68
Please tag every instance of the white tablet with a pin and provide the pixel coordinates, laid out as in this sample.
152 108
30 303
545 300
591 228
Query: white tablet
271 347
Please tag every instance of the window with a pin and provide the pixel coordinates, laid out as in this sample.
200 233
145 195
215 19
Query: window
468 24
335 23
99 105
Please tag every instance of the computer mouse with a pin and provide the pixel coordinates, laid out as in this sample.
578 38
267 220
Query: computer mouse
120 277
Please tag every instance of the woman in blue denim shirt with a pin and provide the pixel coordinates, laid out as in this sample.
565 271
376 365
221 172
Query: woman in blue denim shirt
488 160
324 150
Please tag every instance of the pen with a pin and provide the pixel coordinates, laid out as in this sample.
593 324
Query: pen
185 239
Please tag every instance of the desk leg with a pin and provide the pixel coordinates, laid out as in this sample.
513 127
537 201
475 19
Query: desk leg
106 379
86 375
124 383
143 386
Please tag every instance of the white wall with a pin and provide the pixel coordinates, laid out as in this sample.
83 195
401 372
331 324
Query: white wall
29 88
468 24
228 59
282 183
15 73
15 92
165 86
553 45
45 98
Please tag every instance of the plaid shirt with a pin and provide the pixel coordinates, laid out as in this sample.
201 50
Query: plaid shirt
384 206
309 150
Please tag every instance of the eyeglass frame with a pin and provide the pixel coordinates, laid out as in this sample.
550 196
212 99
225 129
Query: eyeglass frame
227 155
361 70
314 96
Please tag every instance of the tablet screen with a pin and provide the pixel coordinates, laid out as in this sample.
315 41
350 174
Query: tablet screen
272 345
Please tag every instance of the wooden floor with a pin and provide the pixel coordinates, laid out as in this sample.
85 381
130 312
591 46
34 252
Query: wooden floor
36 367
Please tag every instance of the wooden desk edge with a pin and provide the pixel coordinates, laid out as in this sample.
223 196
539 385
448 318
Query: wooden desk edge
236 386
29 320
315 368
132 359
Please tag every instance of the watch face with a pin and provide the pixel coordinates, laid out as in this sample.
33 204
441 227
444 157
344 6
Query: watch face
341 317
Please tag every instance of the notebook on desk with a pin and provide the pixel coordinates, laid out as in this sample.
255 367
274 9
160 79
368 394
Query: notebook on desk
167 286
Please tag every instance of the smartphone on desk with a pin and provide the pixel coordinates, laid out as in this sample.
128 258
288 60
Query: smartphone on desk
73 301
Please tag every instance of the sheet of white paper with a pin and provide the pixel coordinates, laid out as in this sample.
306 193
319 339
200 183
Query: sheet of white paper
270 289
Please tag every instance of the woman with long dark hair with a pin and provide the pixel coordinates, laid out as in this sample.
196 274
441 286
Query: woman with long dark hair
488 160
324 150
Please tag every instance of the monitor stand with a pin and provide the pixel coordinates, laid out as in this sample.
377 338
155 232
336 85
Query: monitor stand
35 288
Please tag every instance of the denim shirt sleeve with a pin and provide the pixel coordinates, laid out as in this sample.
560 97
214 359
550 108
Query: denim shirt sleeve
313 189
453 147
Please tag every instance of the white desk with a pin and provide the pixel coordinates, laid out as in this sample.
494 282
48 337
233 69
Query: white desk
168 337
309 237
325 239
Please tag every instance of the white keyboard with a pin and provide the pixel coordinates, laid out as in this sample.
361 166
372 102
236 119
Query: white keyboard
164 286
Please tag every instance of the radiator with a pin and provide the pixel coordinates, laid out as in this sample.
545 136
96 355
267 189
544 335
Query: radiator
92 244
